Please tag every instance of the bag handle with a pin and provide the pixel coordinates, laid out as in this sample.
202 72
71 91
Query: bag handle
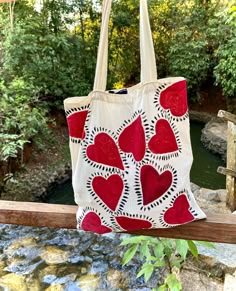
147 54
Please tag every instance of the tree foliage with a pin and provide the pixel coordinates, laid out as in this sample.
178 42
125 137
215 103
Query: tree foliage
50 52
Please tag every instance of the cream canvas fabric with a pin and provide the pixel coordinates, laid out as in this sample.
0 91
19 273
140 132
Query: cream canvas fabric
131 153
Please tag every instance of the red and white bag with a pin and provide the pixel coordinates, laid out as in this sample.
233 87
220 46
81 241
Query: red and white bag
131 153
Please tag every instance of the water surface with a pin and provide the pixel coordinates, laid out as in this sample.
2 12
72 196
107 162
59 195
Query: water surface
203 172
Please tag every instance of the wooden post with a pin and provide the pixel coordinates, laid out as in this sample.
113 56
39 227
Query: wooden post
230 171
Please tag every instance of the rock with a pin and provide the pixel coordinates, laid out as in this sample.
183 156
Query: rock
118 280
51 270
22 267
32 284
214 137
197 280
18 244
52 255
55 288
212 195
13 282
49 279
230 282
194 187
222 195
89 282
223 253
2 266
203 117
65 279
99 267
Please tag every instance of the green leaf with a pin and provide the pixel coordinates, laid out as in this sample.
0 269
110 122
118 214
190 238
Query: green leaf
141 272
129 254
162 287
132 240
148 272
193 248
144 250
177 263
182 247
159 250
173 283
207 244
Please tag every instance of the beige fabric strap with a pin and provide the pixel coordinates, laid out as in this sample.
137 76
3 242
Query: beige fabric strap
147 54
100 80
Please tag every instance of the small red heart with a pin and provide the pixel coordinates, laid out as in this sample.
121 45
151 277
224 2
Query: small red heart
174 98
105 151
132 223
154 185
132 139
109 190
76 123
179 213
164 141
92 222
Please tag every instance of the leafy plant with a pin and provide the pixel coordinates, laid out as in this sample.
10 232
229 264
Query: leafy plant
10 144
161 252
225 70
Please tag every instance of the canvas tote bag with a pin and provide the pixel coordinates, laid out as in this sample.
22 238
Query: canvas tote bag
131 153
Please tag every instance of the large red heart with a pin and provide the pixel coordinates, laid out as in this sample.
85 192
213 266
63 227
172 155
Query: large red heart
105 151
174 98
179 213
76 123
132 223
109 190
164 141
132 139
92 222
154 185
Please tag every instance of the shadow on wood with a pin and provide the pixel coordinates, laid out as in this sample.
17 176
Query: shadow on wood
216 228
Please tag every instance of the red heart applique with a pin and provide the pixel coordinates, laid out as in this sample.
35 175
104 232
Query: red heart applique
104 151
132 223
92 222
164 141
174 98
154 185
179 213
109 190
76 123
132 139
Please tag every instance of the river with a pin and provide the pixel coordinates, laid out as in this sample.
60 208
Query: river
203 172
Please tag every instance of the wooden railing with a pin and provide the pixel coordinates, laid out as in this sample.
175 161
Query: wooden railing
230 170
216 228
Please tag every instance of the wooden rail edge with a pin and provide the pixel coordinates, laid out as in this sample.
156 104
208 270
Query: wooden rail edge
225 171
216 228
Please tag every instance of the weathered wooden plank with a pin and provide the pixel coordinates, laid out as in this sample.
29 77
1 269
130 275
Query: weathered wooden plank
216 228
231 165
227 116
38 214
224 171
7 1
231 158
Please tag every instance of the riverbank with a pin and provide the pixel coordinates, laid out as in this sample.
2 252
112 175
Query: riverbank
46 169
